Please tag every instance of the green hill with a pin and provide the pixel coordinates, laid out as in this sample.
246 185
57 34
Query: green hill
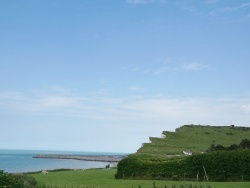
196 138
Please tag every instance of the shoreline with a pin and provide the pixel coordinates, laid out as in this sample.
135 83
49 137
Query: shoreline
60 169
17 161
101 158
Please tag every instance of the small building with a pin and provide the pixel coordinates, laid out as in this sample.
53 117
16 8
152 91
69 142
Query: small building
163 135
187 152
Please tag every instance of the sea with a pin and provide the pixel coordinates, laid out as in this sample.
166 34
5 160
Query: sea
19 161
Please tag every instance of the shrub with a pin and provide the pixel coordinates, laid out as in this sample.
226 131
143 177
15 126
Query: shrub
16 181
219 166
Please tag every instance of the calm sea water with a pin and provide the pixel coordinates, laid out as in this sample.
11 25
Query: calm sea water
22 161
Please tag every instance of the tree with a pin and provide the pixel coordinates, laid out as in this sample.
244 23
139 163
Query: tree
16 181
245 144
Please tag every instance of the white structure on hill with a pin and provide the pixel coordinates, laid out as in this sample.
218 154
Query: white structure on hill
187 152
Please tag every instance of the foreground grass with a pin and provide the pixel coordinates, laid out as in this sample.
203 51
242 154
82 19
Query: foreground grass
102 178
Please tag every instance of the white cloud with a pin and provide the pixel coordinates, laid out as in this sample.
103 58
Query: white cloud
103 81
135 69
58 101
216 9
247 17
137 1
167 108
131 108
190 110
12 101
235 8
194 66
246 108
135 88
180 64
245 5
52 90
38 101
145 1
187 6
11 96
211 1
165 69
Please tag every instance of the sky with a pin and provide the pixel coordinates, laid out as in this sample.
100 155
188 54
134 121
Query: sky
104 76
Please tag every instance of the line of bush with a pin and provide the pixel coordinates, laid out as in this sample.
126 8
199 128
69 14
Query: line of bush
215 166
244 144
16 180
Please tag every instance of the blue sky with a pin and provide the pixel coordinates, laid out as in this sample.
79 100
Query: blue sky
106 75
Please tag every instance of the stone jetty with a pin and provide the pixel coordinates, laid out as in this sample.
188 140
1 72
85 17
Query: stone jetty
106 158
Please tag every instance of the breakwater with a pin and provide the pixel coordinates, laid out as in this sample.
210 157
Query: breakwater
106 158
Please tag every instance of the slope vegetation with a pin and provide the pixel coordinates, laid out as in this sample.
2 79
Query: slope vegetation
195 138
163 158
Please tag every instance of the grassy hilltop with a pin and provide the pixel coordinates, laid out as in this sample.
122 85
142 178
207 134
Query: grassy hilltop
197 138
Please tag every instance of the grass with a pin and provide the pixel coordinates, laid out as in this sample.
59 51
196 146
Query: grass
189 137
196 138
102 178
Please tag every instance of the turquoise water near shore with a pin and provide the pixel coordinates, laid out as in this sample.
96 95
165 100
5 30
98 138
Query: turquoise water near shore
13 161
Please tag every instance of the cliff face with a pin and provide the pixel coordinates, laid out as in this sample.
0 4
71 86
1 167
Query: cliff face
195 138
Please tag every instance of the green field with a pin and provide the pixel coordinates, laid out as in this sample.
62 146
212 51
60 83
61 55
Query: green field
102 178
188 137
196 138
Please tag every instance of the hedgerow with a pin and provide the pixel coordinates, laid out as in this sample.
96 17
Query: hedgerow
215 166
16 180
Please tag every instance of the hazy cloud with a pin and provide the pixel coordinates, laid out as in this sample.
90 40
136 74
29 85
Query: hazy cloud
175 65
194 66
138 1
11 96
186 5
135 69
212 1
59 101
145 1
135 88
246 108
216 9
165 69
235 8
141 108
103 81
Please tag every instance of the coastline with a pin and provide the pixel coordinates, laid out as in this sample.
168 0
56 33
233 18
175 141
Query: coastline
23 161
101 158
